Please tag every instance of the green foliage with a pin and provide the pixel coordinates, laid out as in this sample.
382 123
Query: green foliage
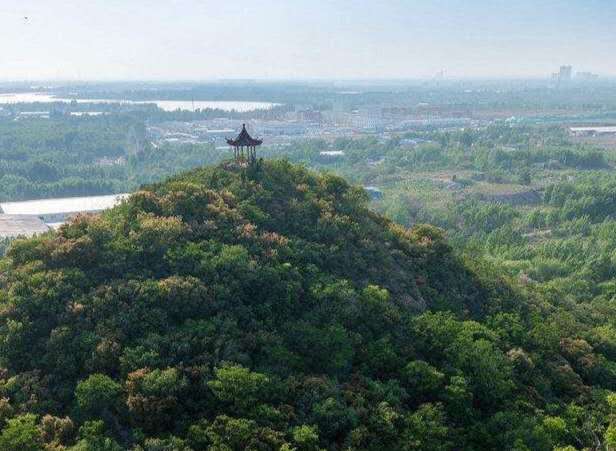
68 156
422 379
306 438
226 433
228 309
21 433
92 437
425 430
238 387
97 394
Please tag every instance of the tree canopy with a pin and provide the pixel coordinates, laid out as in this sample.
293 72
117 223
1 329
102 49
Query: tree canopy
270 308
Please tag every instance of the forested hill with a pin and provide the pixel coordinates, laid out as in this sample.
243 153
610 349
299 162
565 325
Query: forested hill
271 309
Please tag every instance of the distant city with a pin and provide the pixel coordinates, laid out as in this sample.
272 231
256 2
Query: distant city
566 74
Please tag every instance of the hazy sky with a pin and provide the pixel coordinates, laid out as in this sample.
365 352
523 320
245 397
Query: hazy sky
208 39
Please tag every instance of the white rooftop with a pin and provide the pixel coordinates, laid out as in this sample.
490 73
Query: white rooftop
65 205
599 129
12 226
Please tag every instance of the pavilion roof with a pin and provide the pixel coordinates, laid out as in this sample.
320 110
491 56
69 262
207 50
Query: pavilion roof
244 139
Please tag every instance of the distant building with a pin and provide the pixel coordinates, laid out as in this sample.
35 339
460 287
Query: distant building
586 76
311 116
593 131
413 142
59 210
280 128
219 133
332 153
12 226
565 73
33 115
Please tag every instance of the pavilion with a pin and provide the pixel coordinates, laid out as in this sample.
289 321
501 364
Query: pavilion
245 142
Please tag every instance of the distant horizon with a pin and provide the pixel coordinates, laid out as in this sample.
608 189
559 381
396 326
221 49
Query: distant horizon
119 40
504 78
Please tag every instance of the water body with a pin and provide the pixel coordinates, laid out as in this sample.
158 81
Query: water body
167 105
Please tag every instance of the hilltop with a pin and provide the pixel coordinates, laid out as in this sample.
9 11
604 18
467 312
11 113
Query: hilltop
270 308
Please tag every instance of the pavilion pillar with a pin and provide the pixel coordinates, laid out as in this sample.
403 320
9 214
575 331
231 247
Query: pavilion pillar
245 147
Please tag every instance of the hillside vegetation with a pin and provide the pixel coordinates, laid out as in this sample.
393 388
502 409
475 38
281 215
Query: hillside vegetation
271 309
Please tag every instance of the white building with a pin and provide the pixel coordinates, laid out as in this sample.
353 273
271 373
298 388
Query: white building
593 131
53 211
12 226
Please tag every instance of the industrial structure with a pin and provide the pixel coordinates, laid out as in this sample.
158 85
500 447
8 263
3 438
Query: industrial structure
13 226
31 217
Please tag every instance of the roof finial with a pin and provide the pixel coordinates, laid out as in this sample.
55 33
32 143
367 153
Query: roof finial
244 126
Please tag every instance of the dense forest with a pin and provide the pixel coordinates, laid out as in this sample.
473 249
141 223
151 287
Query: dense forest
67 156
529 200
276 308
271 308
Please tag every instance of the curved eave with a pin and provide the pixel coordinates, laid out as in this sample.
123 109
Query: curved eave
244 143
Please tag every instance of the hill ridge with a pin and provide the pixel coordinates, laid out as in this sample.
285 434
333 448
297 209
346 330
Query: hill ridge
261 309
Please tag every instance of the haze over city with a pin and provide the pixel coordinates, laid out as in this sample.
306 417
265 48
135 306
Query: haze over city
303 39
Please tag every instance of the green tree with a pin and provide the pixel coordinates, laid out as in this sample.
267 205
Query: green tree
425 430
238 387
21 433
98 395
92 437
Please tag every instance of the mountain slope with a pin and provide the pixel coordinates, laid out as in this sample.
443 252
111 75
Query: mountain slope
271 309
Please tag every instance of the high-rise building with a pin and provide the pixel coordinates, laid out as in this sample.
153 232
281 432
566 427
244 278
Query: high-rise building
586 76
565 73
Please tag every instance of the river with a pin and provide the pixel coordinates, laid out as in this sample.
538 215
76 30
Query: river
167 105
